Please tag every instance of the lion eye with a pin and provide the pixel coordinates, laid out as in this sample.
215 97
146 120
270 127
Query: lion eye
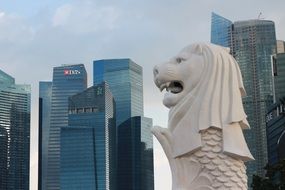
179 59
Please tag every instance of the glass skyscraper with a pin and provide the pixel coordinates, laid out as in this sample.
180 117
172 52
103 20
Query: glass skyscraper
67 81
278 61
254 42
135 150
135 157
45 90
3 158
125 81
88 144
14 133
221 30
275 120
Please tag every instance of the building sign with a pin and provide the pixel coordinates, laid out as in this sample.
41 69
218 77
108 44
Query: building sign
71 72
277 111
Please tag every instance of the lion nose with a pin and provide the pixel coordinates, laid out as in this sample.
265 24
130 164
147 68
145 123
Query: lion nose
155 70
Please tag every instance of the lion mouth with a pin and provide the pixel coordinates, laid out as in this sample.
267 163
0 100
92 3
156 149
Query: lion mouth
174 87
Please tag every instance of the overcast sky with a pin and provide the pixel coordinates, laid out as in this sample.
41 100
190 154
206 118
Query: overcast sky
35 36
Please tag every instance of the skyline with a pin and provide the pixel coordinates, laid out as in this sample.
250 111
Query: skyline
37 36
251 43
15 104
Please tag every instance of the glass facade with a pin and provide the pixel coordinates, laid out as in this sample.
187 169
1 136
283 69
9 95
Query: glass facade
253 43
275 118
67 81
275 121
14 134
125 81
45 90
135 155
221 30
3 158
281 145
279 76
88 144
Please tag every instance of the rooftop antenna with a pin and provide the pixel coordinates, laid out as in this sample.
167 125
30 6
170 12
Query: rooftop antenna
259 16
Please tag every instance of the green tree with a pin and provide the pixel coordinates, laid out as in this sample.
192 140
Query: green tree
259 183
274 180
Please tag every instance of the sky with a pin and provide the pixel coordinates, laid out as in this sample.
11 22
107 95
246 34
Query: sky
36 36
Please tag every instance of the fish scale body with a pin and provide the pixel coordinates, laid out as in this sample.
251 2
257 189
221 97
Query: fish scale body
225 172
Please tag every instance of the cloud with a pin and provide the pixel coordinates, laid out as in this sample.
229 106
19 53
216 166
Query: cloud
85 17
13 29
2 14
62 14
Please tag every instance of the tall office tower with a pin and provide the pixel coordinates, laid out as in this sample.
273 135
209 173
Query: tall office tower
45 90
67 81
125 81
275 121
278 62
254 42
280 46
88 144
275 118
281 145
15 133
135 150
3 158
221 31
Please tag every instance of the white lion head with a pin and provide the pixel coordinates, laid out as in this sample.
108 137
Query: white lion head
203 87
180 75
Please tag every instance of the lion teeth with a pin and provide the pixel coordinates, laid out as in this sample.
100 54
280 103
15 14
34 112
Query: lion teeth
165 85
162 87
169 87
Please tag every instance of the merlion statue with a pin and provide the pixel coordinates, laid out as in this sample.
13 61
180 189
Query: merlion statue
204 142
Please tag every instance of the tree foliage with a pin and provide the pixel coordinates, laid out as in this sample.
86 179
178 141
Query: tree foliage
273 180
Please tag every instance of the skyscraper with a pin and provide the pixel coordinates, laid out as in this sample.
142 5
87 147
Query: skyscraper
3 158
278 62
125 81
88 144
45 91
14 133
135 150
67 81
133 133
253 43
275 120
281 145
221 30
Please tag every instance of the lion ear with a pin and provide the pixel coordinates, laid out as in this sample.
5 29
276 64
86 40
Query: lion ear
198 49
